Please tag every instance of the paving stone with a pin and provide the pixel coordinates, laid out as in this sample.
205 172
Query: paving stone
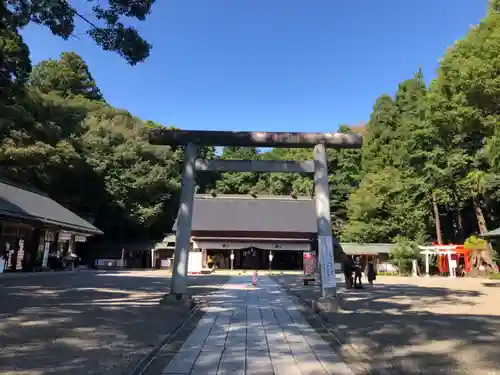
258 363
308 364
332 363
258 332
281 354
207 363
232 362
258 347
285 366
294 337
214 345
280 348
196 339
182 362
237 335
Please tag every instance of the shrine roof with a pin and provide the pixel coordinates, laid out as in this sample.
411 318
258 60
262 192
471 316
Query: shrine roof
244 213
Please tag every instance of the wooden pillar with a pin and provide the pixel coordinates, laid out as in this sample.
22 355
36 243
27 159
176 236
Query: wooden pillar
31 248
237 258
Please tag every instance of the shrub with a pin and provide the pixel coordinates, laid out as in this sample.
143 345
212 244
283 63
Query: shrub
403 254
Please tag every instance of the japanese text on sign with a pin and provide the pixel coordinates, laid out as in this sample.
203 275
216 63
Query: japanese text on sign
327 261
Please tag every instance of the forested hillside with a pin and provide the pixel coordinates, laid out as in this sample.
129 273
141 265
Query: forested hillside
429 168
430 161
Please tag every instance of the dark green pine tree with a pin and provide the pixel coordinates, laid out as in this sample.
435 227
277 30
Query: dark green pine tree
379 135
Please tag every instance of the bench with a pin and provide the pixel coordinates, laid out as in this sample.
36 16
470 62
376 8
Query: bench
307 279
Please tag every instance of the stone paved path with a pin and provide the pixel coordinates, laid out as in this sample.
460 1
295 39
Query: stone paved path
254 331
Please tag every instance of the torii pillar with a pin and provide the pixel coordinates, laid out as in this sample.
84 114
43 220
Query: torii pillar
183 232
325 236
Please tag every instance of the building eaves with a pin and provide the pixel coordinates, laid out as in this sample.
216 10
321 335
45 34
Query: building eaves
28 205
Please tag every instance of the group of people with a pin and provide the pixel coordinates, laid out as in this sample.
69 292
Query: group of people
353 271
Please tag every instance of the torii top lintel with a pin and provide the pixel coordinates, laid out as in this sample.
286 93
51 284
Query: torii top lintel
172 137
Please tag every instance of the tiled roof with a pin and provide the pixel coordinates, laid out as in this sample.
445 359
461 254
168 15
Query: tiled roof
23 204
246 214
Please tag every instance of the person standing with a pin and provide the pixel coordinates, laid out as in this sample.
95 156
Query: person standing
357 272
371 274
348 268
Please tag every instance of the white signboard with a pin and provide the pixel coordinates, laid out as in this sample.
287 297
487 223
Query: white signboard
80 238
45 254
64 236
327 263
194 262
20 255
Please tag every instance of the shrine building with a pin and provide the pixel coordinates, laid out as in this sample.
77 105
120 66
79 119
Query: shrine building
254 226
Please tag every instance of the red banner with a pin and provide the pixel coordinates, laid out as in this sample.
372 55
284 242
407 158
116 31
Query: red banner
308 263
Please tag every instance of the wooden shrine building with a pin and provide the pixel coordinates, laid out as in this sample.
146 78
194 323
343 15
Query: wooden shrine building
251 227
34 227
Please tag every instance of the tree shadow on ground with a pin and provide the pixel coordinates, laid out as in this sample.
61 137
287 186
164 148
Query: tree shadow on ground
409 329
86 322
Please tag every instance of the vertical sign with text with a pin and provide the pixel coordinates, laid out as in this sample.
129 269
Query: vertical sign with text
327 262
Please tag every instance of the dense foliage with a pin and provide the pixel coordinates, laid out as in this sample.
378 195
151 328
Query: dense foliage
105 23
429 168
430 159
63 139
403 254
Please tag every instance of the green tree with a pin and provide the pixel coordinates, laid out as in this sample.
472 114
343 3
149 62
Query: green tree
344 168
390 200
91 157
15 66
140 181
379 210
403 253
239 182
465 96
65 77
379 135
287 183
108 30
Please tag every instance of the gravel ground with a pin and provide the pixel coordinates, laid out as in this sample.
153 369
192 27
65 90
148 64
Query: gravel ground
86 322
416 326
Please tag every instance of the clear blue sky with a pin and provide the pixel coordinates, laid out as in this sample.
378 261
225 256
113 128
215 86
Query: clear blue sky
271 65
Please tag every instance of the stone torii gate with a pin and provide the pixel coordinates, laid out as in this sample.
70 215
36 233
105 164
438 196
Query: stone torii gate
319 167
